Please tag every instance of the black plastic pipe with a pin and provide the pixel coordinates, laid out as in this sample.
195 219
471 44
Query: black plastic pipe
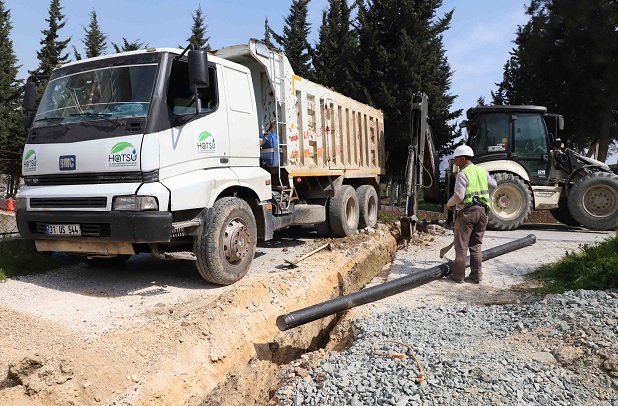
320 310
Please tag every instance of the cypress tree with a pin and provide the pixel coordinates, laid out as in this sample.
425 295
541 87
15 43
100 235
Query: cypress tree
95 39
400 53
50 54
129 46
267 34
335 52
565 58
198 31
294 39
12 135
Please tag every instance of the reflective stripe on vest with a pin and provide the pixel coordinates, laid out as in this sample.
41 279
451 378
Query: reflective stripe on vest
477 184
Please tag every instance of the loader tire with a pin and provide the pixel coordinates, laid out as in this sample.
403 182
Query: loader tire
511 202
593 201
343 213
225 250
368 206
563 215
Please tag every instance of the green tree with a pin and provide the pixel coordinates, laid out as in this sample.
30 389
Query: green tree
400 53
268 32
51 53
294 39
95 40
129 46
566 58
12 135
336 49
198 31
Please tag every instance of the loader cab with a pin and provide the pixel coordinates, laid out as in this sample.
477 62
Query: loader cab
514 133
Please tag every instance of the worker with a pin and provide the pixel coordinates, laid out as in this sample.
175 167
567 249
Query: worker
471 200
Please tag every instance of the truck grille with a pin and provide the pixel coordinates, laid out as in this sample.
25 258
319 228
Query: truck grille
92 178
69 203
88 229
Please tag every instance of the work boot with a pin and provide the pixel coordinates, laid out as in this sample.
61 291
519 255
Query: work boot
472 280
451 278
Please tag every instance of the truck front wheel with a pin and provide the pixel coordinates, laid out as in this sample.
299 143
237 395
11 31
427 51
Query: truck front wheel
343 212
368 206
593 201
511 202
225 252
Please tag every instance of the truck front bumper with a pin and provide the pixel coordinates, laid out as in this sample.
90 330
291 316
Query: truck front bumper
133 227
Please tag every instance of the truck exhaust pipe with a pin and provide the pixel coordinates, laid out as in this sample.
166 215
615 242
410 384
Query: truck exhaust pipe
372 294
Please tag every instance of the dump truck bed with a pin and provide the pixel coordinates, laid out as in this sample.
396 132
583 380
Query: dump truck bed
318 131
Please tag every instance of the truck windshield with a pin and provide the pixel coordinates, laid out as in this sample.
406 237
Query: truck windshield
114 92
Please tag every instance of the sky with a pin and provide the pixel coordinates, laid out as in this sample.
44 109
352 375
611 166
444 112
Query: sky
477 44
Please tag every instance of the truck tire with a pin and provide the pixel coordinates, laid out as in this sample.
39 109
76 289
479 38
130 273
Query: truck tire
563 215
511 202
593 201
106 262
368 206
343 212
225 252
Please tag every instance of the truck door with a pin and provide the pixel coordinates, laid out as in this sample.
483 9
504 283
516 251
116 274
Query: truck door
530 145
195 142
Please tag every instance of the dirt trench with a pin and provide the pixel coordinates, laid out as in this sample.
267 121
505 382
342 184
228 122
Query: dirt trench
213 351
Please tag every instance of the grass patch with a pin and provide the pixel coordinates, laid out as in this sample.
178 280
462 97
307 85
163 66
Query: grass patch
387 218
19 257
595 268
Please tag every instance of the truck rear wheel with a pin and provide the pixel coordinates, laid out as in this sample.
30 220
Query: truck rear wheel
593 201
368 206
225 252
563 215
511 202
343 213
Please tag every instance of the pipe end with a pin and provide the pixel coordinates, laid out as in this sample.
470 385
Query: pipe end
282 323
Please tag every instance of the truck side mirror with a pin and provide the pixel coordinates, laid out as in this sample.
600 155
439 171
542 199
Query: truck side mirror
29 96
198 68
561 123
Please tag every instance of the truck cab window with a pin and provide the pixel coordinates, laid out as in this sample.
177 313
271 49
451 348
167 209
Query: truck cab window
181 95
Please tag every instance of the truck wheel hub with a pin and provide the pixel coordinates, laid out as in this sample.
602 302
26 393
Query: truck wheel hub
504 202
236 241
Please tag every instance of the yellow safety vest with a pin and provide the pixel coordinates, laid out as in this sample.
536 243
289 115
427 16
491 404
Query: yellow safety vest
477 184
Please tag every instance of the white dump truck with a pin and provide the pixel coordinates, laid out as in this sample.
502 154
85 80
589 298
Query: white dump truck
193 155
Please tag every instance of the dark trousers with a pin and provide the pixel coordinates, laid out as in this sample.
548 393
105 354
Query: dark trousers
470 227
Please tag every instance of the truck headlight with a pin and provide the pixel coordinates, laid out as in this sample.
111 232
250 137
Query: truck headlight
21 203
135 203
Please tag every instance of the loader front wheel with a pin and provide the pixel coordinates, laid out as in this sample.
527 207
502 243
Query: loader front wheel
225 250
368 206
343 213
593 201
511 202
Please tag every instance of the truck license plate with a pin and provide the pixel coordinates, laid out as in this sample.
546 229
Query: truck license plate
64 229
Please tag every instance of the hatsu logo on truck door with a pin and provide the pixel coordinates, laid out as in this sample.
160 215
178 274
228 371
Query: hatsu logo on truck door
122 154
30 161
205 143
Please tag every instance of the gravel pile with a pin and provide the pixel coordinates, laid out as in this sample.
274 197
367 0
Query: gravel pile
561 350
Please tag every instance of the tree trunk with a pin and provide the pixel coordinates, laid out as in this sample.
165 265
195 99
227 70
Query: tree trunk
606 124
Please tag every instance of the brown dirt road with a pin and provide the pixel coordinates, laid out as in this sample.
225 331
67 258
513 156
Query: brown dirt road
153 333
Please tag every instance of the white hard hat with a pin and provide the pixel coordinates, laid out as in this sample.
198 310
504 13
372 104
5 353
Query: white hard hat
463 150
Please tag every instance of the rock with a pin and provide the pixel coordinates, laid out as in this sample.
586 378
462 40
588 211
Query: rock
544 358
135 378
20 370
